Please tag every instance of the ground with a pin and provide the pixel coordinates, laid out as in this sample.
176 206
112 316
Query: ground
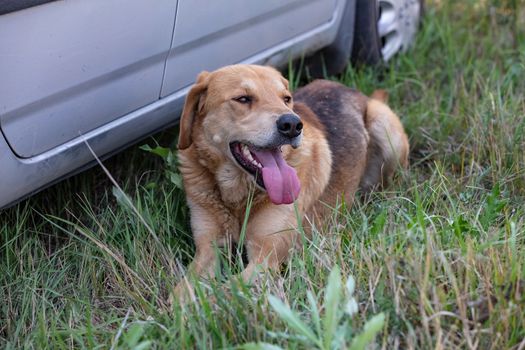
439 255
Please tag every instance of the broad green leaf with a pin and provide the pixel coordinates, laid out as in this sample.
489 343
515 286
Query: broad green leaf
331 305
160 151
175 179
260 346
146 344
372 327
314 310
133 335
291 318
350 286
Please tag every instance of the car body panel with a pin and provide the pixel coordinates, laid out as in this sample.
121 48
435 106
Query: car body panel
63 76
18 175
209 35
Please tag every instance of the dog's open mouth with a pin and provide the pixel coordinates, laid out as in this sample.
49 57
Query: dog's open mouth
270 170
248 161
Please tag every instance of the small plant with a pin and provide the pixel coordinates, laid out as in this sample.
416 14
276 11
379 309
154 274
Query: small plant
132 338
331 327
170 159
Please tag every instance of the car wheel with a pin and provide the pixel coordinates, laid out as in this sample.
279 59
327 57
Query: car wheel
383 28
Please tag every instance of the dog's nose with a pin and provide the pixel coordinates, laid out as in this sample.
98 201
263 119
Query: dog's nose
289 125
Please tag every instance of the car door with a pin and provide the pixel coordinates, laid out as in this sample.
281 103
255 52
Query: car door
211 34
68 67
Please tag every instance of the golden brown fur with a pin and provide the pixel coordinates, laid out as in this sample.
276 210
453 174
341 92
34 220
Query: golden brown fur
348 141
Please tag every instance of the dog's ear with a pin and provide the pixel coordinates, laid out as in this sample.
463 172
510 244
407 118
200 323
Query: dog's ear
285 82
380 95
193 105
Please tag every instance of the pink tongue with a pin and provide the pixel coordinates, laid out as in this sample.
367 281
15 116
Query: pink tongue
280 179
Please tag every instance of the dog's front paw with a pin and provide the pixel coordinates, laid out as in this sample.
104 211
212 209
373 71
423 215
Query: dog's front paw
182 293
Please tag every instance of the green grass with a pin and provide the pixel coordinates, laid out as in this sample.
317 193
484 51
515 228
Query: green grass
440 254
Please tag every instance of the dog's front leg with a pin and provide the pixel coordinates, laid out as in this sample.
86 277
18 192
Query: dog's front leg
209 232
270 235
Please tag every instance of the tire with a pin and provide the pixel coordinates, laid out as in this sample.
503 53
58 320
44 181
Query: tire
367 46
370 46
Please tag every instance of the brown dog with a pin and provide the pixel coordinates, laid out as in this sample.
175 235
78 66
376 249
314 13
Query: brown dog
242 131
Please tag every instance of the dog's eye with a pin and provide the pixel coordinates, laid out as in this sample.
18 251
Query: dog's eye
243 99
287 99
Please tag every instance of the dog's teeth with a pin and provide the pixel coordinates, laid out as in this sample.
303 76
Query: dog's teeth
249 157
247 154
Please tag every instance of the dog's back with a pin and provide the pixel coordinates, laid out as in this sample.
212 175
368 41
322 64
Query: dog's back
366 139
340 110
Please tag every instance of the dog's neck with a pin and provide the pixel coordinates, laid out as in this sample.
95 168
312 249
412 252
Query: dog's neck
233 184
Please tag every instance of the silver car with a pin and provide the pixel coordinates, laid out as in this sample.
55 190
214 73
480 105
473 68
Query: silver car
107 73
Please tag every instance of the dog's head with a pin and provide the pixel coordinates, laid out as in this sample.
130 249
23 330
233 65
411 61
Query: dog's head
244 114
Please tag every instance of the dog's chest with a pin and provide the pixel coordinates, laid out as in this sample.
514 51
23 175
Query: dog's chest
234 185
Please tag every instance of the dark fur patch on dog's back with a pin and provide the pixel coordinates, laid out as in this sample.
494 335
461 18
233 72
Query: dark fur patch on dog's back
336 107
341 111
